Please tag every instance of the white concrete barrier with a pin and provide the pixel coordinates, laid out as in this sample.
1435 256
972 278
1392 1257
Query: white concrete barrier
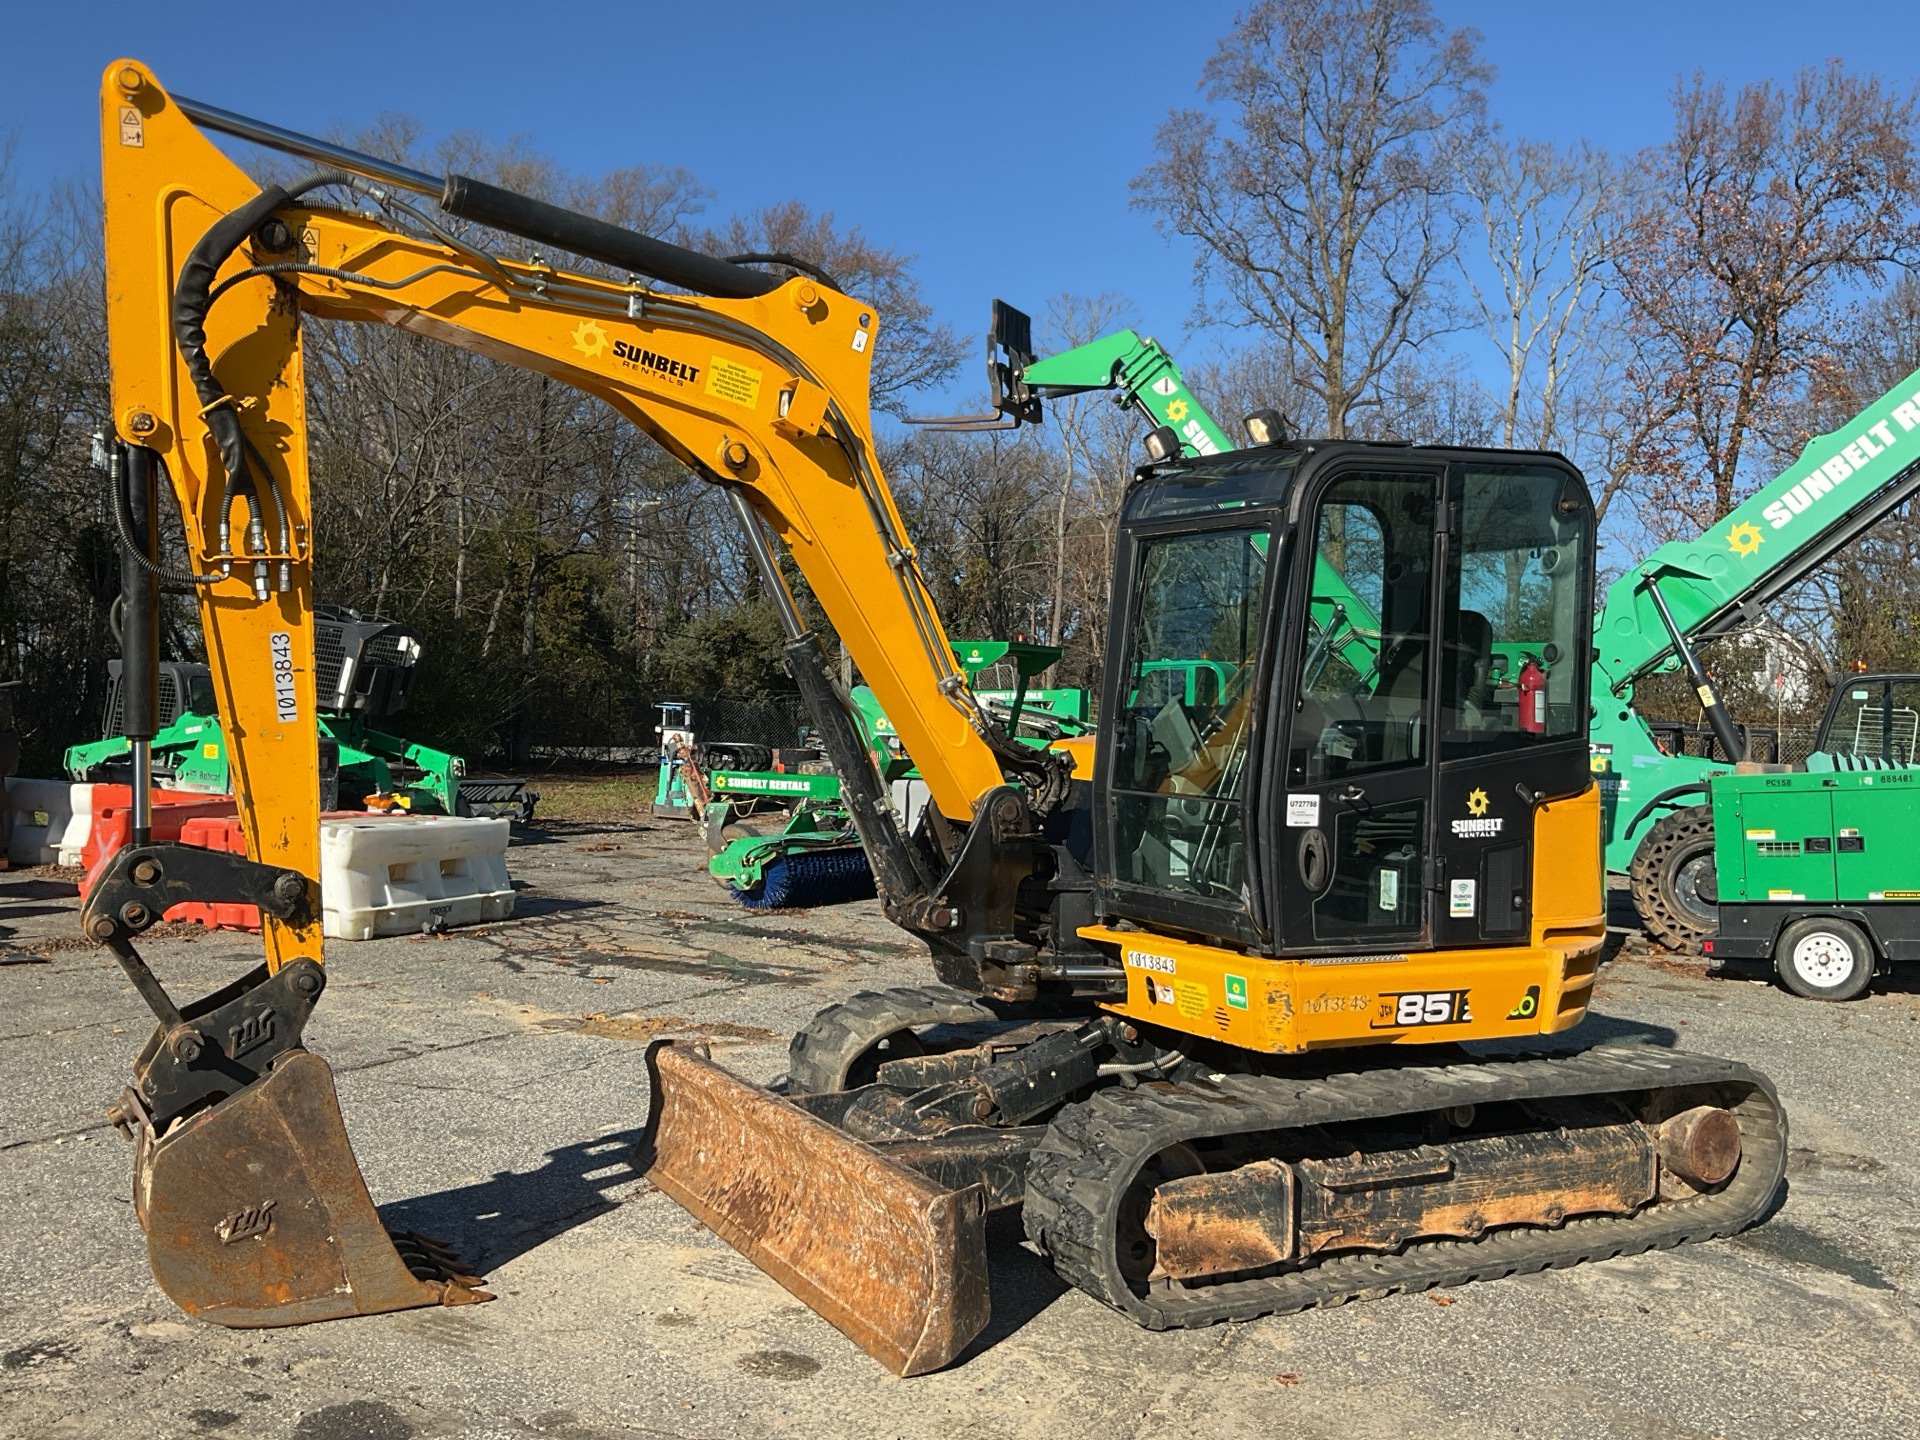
401 874
51 820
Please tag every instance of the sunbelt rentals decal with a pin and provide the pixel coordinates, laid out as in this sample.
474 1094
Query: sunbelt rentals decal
1853 456
1479 825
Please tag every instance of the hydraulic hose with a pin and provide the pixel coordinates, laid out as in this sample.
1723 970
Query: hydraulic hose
792 262
123 524
192 298
538 221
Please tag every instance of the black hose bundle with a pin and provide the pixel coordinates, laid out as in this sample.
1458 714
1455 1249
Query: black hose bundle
192 298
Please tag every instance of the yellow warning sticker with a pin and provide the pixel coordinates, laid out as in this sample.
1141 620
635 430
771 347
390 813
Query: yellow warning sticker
133 127
212 752
730 380
1760 835
1190 996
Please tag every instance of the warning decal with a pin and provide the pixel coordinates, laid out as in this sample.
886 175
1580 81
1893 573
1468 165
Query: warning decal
732 381
1190 998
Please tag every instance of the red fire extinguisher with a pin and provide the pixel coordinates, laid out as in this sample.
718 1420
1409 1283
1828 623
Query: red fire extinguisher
1533 698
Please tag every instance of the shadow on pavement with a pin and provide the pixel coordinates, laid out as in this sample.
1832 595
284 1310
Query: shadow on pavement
497 1220
560 832
26 888
531 907
1020 1283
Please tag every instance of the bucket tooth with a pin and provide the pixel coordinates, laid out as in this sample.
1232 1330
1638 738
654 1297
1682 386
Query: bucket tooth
890 1258
256 1214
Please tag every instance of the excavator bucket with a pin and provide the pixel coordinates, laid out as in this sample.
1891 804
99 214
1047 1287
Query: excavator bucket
892 1259
256 1214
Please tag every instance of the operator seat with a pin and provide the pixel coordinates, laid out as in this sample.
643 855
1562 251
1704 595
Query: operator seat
1469 666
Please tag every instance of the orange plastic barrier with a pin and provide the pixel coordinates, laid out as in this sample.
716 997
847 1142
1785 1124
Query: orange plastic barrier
172 809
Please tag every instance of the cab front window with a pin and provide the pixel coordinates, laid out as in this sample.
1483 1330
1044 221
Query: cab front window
1182 741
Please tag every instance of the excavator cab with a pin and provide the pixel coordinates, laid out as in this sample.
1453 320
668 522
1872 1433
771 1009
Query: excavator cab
1304 803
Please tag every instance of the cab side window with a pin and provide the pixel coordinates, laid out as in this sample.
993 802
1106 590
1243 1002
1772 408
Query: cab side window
1513 657
1368 658
1181 742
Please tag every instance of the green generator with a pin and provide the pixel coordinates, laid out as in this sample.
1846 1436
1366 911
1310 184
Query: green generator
1812 864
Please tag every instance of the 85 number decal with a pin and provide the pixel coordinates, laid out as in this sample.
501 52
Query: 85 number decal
1404 1009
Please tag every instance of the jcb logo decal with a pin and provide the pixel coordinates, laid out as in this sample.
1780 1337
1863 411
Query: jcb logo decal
1404 1009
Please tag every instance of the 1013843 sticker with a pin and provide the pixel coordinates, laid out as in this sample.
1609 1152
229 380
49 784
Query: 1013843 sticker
286 698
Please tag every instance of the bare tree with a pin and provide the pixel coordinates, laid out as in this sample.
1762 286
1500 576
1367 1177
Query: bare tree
1756 222
1317 192
1547 219
1260 377
975 506
58 567
1864 607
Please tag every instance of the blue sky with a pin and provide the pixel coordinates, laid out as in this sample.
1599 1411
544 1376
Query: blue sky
994 141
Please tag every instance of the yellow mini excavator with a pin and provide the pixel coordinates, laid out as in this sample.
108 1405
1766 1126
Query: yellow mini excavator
1204 984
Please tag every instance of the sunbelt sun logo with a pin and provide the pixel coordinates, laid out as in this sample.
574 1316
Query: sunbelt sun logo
1237 992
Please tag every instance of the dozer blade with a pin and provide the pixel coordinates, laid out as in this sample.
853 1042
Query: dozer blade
256 1214
894 1261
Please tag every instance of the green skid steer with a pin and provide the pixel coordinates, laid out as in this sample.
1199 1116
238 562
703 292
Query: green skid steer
363 669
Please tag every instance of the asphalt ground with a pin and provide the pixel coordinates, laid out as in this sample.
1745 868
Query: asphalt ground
492 1082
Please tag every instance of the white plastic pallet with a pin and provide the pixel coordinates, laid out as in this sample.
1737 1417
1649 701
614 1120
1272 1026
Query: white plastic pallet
51 820
402 874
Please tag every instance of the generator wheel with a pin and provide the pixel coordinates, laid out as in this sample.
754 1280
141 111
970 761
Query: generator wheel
1824 959
1675 887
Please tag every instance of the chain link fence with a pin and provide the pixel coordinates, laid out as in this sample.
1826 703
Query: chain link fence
1786 745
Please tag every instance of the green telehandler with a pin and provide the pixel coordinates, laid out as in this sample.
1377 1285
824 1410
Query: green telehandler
1673 819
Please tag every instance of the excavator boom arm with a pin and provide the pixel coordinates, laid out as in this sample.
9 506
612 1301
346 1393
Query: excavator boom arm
765 393
757 385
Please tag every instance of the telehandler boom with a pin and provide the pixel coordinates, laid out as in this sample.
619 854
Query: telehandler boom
1155 951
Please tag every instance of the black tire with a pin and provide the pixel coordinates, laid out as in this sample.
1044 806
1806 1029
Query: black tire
1824 959
842 1046
1675 886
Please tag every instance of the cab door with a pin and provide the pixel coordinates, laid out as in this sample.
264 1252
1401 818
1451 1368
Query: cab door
1355 839
1514 665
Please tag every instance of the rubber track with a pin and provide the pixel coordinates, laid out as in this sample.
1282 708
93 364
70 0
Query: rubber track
1081 1170
819 1056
